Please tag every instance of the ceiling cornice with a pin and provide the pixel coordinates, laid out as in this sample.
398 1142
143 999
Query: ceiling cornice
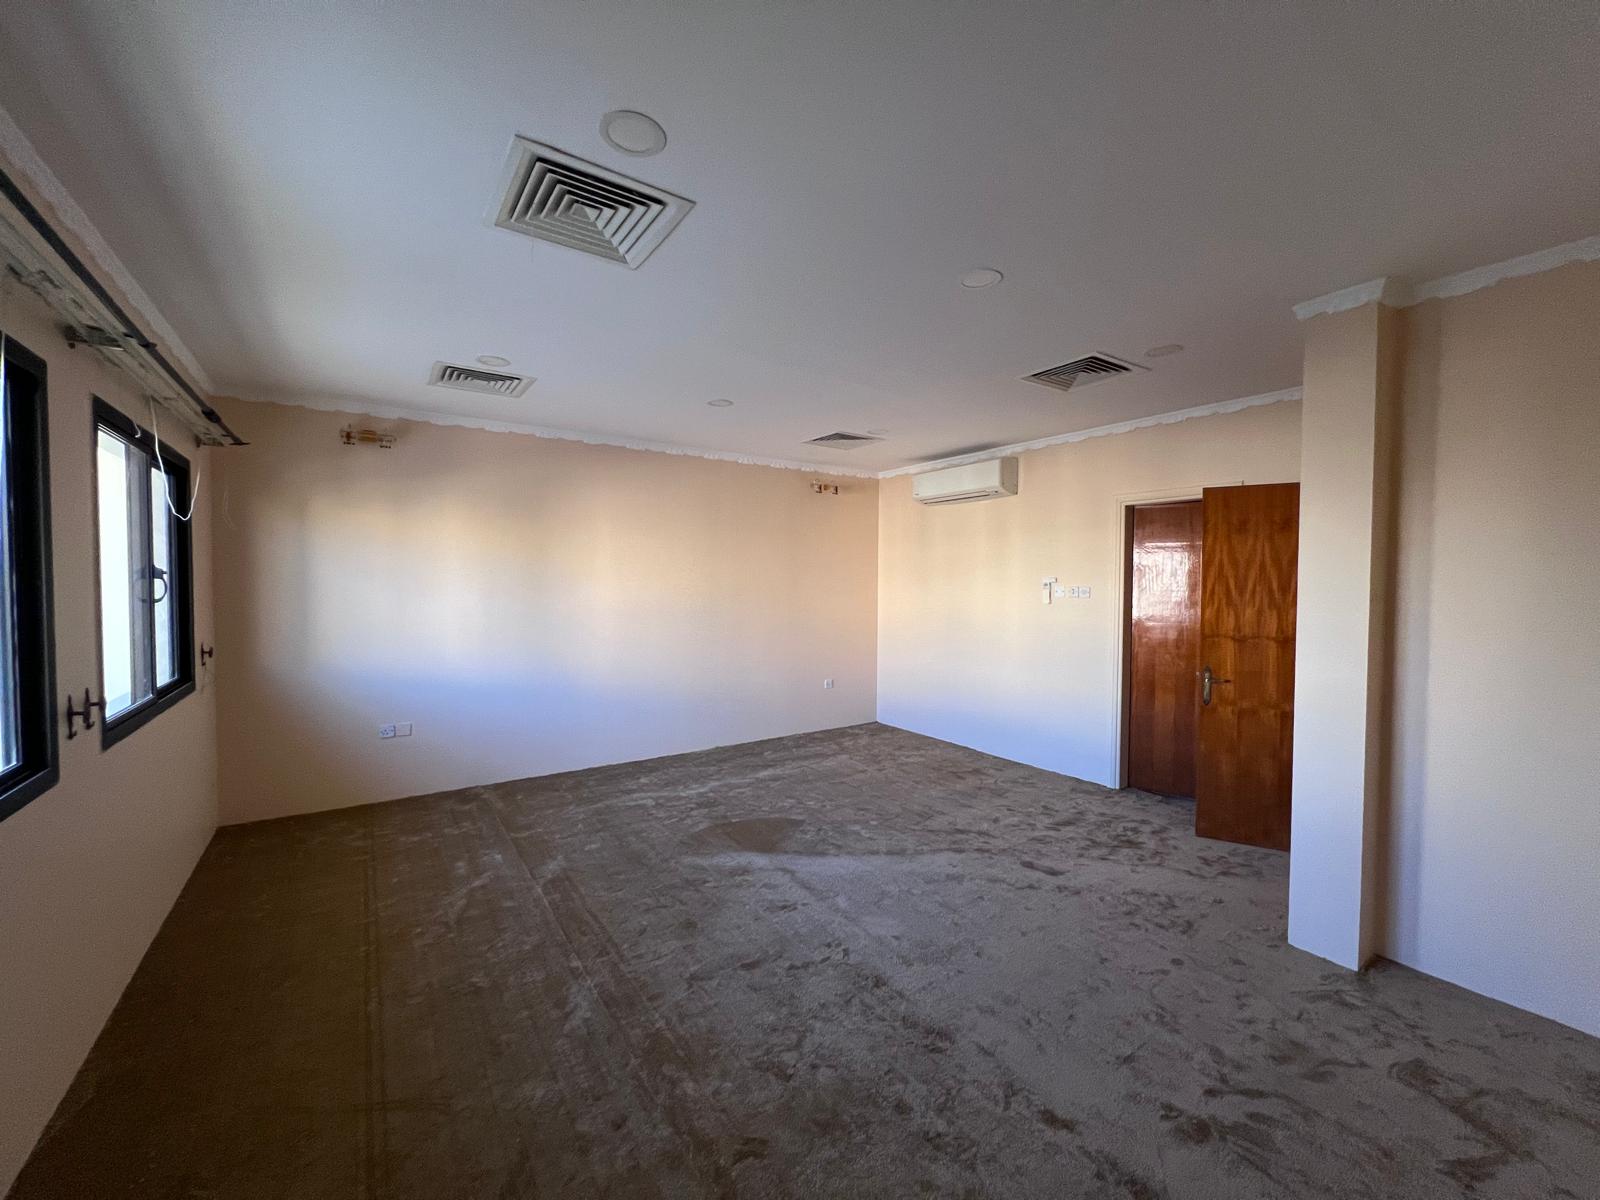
1397 293
1386 290
1099 431
1584 250
363 408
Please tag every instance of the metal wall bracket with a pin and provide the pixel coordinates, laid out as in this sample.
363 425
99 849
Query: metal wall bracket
83 716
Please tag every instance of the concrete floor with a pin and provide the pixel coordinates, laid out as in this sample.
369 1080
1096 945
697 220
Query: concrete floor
850 964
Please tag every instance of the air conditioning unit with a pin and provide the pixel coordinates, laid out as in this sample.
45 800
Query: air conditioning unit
975 481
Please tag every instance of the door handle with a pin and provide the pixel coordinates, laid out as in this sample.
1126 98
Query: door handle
1208 680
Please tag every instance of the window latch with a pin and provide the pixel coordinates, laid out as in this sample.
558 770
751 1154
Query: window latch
83 716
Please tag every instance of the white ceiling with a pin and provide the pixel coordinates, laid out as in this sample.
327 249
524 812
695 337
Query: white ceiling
302 187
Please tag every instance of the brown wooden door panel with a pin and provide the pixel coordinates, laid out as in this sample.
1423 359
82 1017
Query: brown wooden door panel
1247 620
1164 647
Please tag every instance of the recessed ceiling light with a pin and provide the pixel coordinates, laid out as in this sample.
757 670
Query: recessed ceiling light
633 132
1163 351
720 403
493 360
982 277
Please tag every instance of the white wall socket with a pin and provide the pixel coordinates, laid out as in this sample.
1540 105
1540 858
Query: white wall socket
827 685
398 729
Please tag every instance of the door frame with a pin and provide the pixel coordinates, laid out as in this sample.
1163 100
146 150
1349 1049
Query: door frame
1122 516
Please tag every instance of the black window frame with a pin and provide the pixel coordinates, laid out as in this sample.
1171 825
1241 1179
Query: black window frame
26 443
114 729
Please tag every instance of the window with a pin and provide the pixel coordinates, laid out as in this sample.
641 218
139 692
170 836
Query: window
27 644
146 592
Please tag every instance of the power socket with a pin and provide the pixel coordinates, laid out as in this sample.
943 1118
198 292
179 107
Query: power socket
398 729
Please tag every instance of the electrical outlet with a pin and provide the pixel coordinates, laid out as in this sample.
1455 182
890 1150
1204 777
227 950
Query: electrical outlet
827 685
386 731
398 729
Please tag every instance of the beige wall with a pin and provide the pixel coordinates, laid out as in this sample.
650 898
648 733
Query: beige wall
530 605
1494 862
89 869
968 652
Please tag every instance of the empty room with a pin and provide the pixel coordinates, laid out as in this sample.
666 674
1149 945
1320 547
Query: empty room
792 598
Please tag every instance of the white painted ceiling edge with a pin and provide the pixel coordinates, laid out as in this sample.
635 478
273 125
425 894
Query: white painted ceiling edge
19 152
1399 294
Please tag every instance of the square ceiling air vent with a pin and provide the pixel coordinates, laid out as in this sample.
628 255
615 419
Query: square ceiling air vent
474 379
557 197
1081 372
842 441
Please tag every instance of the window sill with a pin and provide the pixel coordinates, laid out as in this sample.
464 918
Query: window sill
120 726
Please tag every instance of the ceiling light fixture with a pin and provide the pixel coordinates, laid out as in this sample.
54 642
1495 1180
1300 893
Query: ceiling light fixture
720 403
633 133
493 360
981 277
1163 351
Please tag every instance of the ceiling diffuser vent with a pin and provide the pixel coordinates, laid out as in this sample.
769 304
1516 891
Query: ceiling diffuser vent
1081 372
473 379
842 441
556 197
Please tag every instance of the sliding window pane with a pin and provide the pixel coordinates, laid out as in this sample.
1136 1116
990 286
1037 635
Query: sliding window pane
10 699
164 585
125 575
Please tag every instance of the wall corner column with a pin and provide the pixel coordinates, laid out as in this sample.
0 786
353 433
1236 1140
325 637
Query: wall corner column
1347 485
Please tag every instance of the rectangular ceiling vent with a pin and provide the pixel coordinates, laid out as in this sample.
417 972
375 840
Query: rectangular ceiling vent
1081 372
557 197
472 379
842 441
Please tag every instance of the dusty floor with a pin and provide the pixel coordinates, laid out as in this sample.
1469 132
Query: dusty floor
851 964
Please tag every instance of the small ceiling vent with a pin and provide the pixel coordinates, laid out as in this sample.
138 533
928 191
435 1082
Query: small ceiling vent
475 379
1081 372
556 197
842 441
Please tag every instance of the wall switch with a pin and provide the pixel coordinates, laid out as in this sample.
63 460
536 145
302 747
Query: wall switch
1083 592
1078 593
827 684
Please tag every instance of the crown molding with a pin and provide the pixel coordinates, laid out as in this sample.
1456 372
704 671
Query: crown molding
1099 431
1387 290
36 174
1397 293
1459 284
354 406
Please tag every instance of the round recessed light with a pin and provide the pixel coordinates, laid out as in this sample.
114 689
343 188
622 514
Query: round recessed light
1163 351
633 132
982 277
493 360
720 403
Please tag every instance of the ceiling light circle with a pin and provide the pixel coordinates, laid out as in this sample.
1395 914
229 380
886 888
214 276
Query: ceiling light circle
493 360
633 133
720 403
1163 351
981 277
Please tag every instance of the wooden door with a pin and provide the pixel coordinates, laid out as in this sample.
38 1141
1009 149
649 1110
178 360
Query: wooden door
1247 622
1164 647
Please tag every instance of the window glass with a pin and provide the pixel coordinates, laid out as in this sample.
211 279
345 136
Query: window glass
114 469
10 700
164 582
146 652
